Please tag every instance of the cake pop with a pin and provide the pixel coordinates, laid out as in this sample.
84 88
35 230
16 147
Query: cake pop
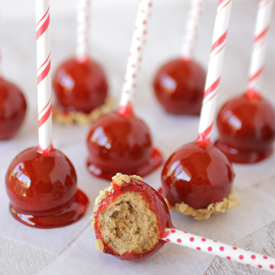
246 123
132 222
179 84
80 84
120 141
41 181
136 218
13 108
197 179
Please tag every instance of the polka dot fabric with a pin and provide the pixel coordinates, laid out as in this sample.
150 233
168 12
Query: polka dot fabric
220 249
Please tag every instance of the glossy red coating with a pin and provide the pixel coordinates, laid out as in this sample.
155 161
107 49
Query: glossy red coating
79 86
197 175
13 108
179 86
247 129
123 144
156 204
43 191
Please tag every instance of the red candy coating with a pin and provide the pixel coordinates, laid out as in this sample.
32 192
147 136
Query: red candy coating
79 86
12 109
43 191
121 143
247 129
179 87
197 175
156 204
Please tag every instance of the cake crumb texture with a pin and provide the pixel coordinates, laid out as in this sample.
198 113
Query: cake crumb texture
205 213
127 224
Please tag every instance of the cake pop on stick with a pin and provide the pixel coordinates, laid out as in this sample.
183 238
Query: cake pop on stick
120 141
131 221
13 106
179 84
197 179
80 83
246 123
41 182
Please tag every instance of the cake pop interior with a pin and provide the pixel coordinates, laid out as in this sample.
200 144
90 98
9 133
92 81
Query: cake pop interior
127 224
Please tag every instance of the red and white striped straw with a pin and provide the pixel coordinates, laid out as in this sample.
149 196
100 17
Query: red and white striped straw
43 75
257 61
137 46
82 32
219 249
191 29
209 103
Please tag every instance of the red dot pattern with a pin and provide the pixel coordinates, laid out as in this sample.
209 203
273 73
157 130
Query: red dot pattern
221 248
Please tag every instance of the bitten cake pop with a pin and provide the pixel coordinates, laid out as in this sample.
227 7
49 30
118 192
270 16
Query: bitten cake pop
13 108
120 141
80 84
197 179
136 218
41 182
179 84
246 123
132 222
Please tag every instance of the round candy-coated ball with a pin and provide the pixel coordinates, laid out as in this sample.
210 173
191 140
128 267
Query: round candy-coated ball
197 175
247 128
179 86
12 109
79 86
40 184
117 143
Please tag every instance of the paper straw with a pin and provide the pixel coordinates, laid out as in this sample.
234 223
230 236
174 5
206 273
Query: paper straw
209 103
219 249
82 35
43 76
259 46
137 46
191 29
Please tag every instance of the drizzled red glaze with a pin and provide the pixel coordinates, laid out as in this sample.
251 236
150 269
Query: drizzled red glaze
13 108
79 86
179 87
156 204
197 175
121 143
246 126
42 189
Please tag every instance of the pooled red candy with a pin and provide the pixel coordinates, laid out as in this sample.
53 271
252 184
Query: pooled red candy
43 191
179 86
13 108
197 175
130 218
121 142
247 128
79 86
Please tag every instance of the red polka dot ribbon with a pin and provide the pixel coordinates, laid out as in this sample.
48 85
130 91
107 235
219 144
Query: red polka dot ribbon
43 76
219 249
135 56
263 21
214 70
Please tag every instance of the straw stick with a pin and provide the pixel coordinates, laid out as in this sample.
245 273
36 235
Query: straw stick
258 56
82 33
219 249
43 76
191 29
137 46
214 70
